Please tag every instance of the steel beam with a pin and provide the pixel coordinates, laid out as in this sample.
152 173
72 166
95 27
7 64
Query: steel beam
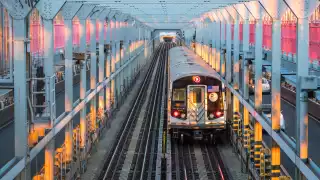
102 57
68 11
21 125
48 16
236 50
245 49
246 135
49 156
302 95
229 21
276 95
82 15
276 9
216 43
93 65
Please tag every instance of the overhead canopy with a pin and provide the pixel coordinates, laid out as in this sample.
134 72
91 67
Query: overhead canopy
163 14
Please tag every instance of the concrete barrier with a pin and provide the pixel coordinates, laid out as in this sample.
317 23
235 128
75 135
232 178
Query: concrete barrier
290 96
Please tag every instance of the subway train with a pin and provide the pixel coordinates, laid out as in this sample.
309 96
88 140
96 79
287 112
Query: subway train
196 97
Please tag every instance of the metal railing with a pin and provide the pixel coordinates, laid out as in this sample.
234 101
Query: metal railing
43 97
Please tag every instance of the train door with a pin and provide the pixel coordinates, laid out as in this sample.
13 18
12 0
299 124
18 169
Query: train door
197 103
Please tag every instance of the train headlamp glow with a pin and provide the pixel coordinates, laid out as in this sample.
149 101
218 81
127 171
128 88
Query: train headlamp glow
183 115
211 116
175 113
213 97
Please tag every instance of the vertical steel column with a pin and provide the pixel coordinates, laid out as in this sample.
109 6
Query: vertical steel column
21 126
276 95
109 61
257 144
258 61
246 129
209 50
258 86
68 65
236 105
49 156
235 113
68 85
48 47
83 82
229 105
226 70
224 44
117 64
213 41
113 64
218 46
48 69
236 49
93 71
302 96
101 64
121 57
82 14
69 10
245 46
125 54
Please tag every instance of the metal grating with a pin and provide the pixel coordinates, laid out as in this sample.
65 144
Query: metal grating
163 14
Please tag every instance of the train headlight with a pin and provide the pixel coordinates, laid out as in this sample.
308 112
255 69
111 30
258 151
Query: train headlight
183 115
211 116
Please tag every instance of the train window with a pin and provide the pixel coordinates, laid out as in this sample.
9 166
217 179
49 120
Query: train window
196 95
179 94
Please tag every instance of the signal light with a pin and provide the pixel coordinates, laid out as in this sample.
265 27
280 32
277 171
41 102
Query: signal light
219 113
196 79
175 113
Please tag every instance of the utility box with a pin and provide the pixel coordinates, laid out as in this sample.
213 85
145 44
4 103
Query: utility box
308 82
78 56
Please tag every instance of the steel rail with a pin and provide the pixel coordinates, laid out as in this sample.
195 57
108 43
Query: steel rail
145 123
152 165
191 164
184 168
152 116
211 165
130 120
216 162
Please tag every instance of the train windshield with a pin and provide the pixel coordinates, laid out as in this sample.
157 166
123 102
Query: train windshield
179 94
196 95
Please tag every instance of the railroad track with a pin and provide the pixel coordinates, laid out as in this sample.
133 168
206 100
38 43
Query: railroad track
184 164
189 165
213 162
142 165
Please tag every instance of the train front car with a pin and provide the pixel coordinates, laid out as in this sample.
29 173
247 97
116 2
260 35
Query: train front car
195 97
